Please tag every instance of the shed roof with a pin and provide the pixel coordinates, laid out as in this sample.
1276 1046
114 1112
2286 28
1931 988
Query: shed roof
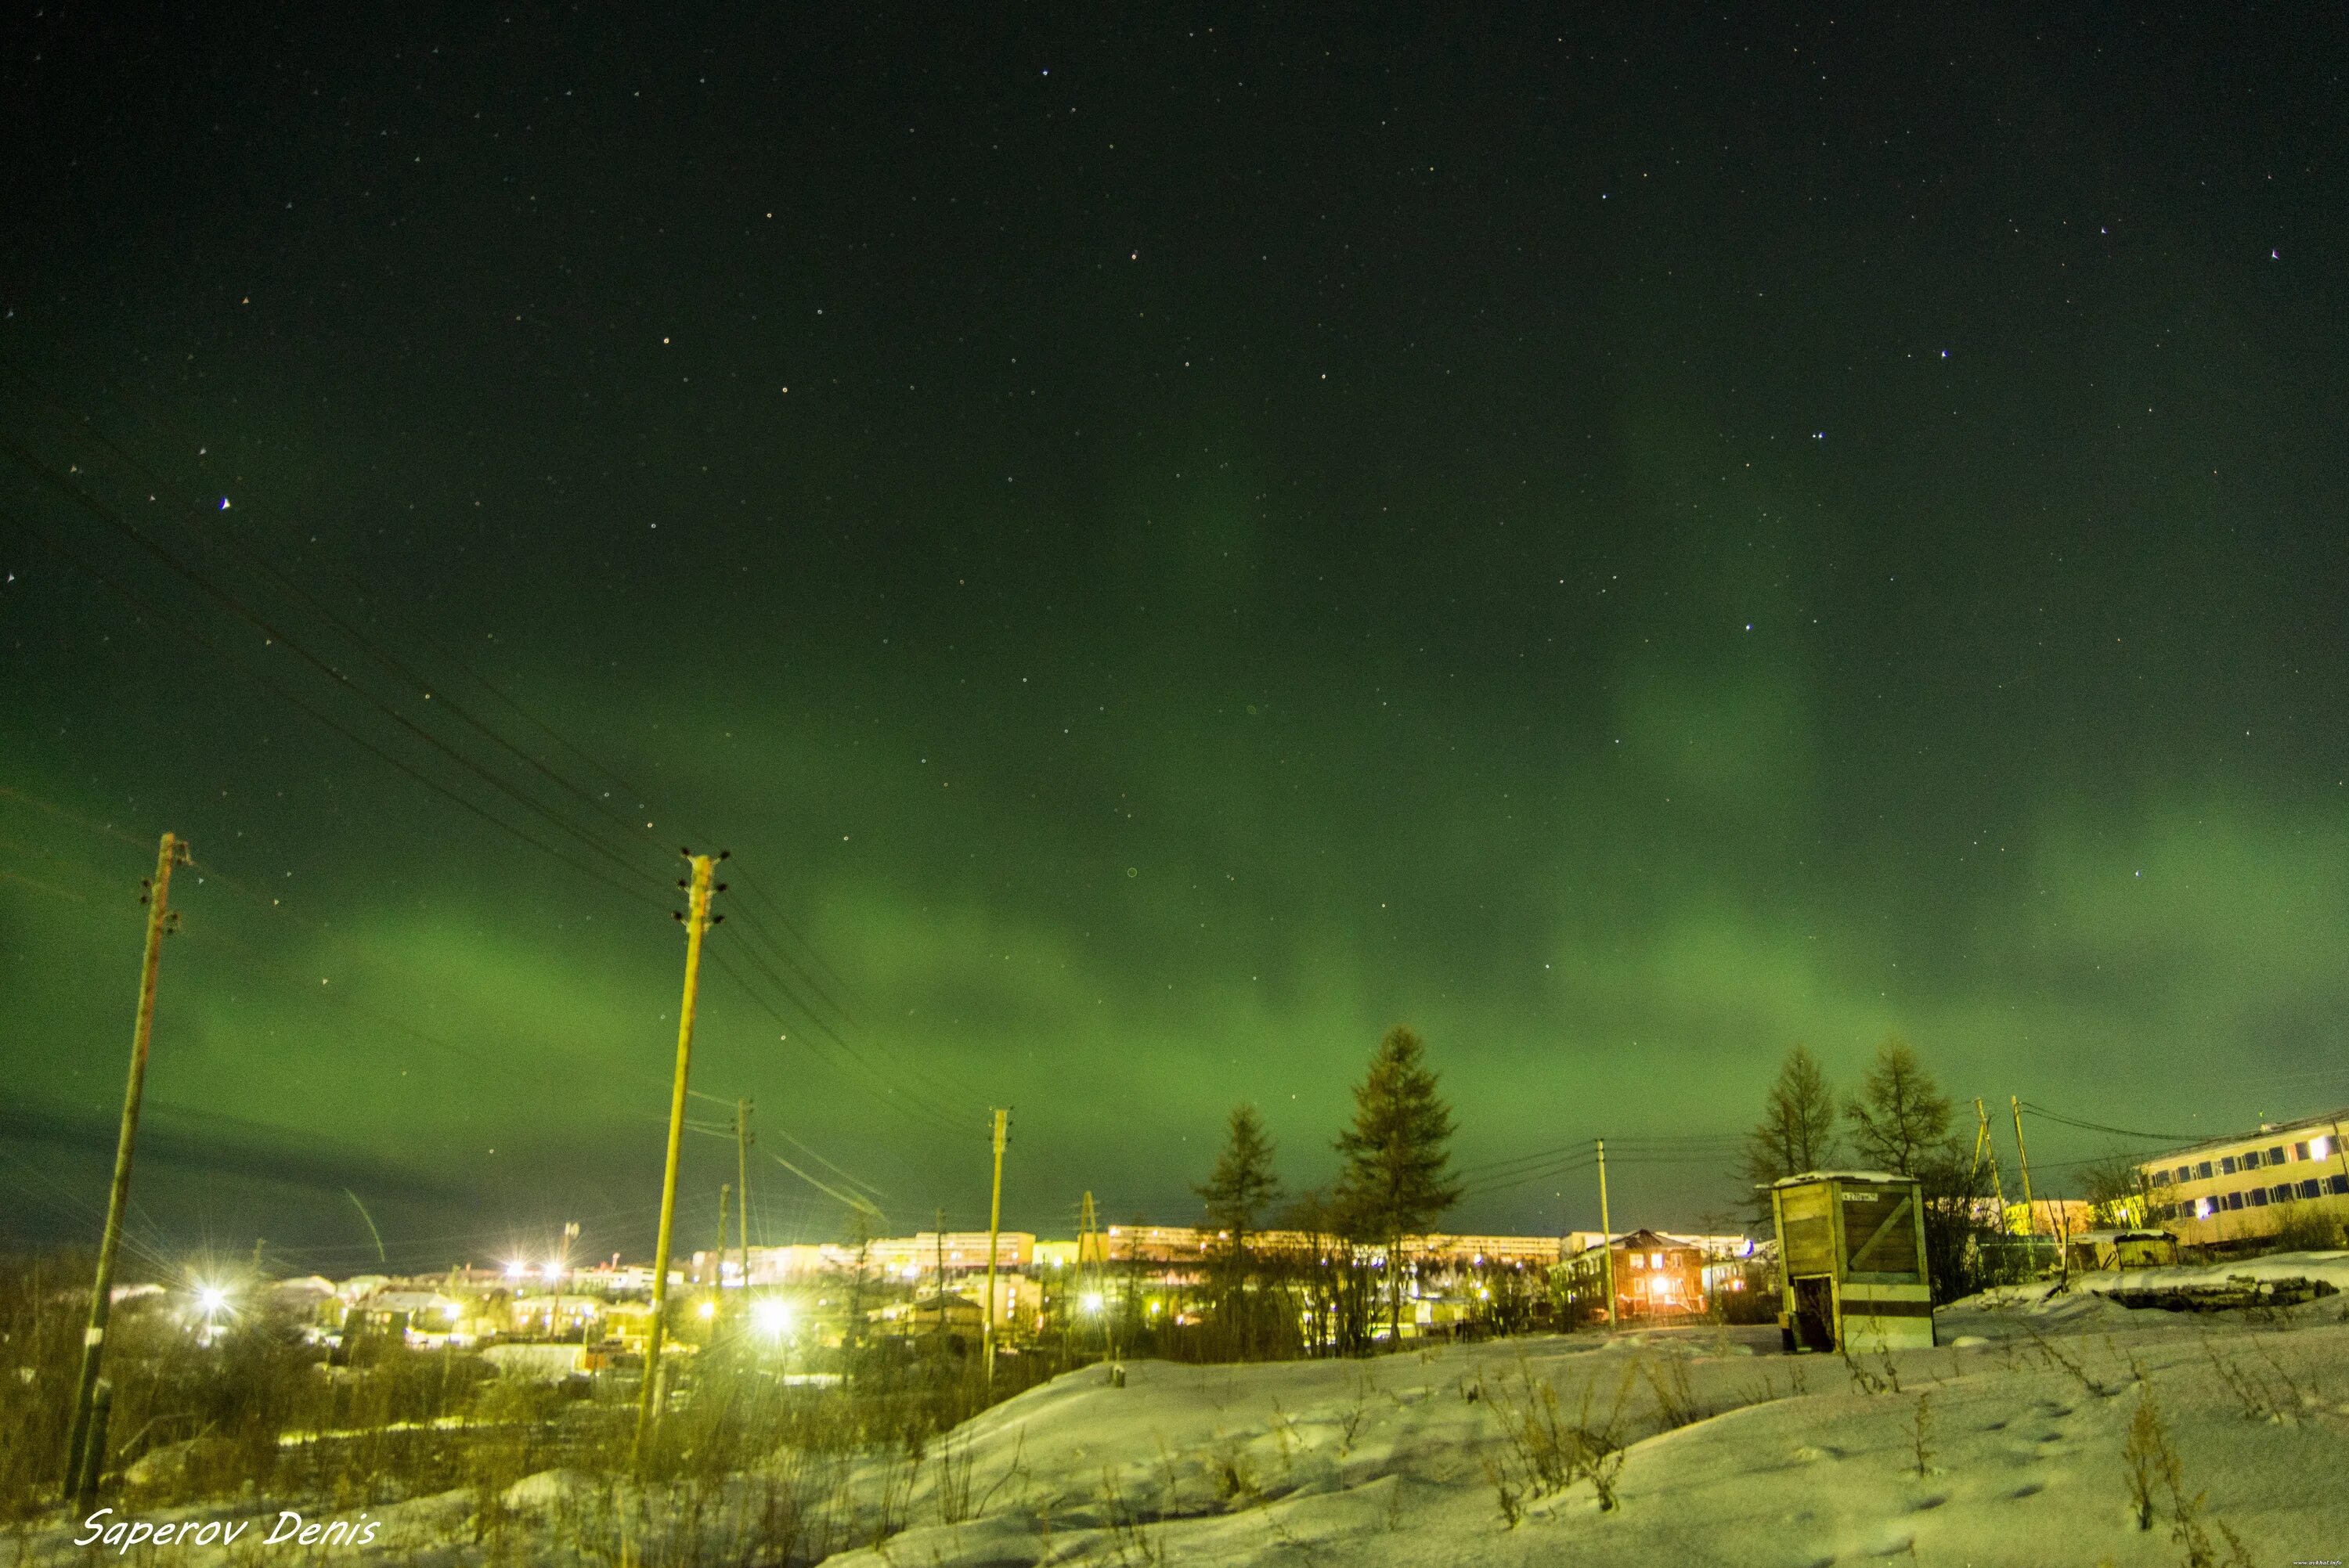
1886 1177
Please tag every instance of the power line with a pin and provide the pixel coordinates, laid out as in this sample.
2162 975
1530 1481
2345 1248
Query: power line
269 629
201 639
905 1104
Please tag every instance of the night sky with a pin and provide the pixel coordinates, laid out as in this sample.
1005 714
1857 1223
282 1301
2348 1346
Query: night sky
1163 547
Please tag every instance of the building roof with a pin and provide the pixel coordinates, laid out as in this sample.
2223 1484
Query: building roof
2324 1121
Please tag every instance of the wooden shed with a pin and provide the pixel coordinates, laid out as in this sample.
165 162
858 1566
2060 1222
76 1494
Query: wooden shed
1851 1250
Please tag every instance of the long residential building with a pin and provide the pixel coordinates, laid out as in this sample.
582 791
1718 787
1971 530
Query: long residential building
2251 1186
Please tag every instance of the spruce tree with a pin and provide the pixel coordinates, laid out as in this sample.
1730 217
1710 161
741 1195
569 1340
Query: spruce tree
1396 1180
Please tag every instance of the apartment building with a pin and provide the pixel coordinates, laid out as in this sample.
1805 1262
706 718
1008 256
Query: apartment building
2249 1187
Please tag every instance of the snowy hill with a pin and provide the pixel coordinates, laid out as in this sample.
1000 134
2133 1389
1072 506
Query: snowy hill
1729 1457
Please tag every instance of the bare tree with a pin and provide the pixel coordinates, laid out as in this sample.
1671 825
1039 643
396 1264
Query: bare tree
1900 1119
1242 1184
1797 1130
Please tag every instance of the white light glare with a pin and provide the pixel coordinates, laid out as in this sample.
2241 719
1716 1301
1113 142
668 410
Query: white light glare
772 1317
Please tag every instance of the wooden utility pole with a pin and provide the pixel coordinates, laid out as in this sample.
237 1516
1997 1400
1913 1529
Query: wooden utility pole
1606 1236
1984 1150
79 1437
994 1229
742 1177
938 1239
1090 1256
696 923
717 1258
2022 1158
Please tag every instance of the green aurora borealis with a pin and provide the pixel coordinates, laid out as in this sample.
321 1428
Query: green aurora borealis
1625 553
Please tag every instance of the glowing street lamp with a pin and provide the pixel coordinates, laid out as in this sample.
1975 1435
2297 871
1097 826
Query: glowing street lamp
772 1317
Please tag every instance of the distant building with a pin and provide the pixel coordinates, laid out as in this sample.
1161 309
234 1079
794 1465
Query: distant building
923 1252
1161 1243
930 1316
424 1318
2249 1187
1656 1276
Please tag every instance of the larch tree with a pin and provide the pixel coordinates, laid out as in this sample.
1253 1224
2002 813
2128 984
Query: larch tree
1797 1130
1397 1179
1900 1119
1243 1184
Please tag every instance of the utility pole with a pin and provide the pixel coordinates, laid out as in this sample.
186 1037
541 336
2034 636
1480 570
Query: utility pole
1089 1250
1606 1236
1984 1150
80 1437
2023 1157
742 1177
696 923
938 1240
717 1258
994 1229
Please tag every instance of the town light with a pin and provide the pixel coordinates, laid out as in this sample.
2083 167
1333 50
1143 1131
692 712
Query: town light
212 1298
1090 1302
709 1309
772 1317
517 1269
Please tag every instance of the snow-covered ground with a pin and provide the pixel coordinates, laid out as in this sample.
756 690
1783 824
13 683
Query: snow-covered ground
2014 1442
1796 1461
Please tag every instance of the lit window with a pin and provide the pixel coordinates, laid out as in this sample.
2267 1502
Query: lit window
2201 1208
2318 1147
1655 1260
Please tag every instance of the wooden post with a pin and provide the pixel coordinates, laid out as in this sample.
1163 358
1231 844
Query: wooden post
697 922
171 851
